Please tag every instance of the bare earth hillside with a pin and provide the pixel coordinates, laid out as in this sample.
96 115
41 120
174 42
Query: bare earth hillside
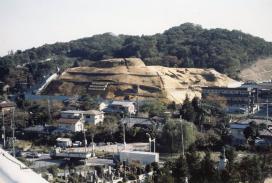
117 78
259 72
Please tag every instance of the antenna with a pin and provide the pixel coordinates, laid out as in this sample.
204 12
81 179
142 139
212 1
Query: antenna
182 142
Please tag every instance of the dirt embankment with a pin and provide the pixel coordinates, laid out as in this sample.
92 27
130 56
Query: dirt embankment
260 71
117 78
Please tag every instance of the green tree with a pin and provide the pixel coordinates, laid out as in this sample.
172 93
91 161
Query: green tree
194 165
187 110
180 170
154 108
208 171
170 138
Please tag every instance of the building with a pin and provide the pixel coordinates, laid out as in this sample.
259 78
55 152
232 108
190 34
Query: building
64 142
121 107
7 106
237 130
90 116
241 98
72 125
12 170
237 133
140 157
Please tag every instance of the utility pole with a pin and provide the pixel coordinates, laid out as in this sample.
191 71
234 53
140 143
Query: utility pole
3 128
85 140
124 134
150 143
182 142
49 108
266 110
93 145
13 131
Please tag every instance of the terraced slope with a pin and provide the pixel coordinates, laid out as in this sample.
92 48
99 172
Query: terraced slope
117 78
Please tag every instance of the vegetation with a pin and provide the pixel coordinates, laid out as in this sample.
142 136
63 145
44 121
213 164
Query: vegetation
198 170
187 45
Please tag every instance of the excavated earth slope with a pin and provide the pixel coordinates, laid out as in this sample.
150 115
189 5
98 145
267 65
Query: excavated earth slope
116 78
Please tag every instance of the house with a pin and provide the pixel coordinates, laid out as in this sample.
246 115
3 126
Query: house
237 133
64 142
72 125
121 107
237 130
90 116
141 157
7 106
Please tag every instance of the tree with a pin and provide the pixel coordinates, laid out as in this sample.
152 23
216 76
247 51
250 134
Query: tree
194 165
170 139
250 169
187 110
251 132
166 175
154 108
180 170
208 172
76 64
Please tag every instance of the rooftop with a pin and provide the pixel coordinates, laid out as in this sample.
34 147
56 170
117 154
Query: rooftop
257 121
138 152
124 103
67 121
6 104
63 139
91 112
265 132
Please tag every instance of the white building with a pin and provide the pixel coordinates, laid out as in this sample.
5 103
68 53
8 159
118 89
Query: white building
90 116
64 142
119 107
12 170
73 125
140 157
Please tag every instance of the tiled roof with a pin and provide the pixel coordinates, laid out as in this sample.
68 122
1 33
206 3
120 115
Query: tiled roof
7 104
265 132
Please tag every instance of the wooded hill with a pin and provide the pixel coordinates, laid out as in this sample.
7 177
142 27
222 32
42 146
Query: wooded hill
187 45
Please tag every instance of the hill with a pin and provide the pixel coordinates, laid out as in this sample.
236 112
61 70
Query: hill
187 45
117 78
260 71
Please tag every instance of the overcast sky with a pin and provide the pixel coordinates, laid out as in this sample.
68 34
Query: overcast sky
31 23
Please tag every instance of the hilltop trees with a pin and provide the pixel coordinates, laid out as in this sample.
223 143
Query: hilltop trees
187 45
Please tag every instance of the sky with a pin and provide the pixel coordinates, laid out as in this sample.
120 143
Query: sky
32 23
